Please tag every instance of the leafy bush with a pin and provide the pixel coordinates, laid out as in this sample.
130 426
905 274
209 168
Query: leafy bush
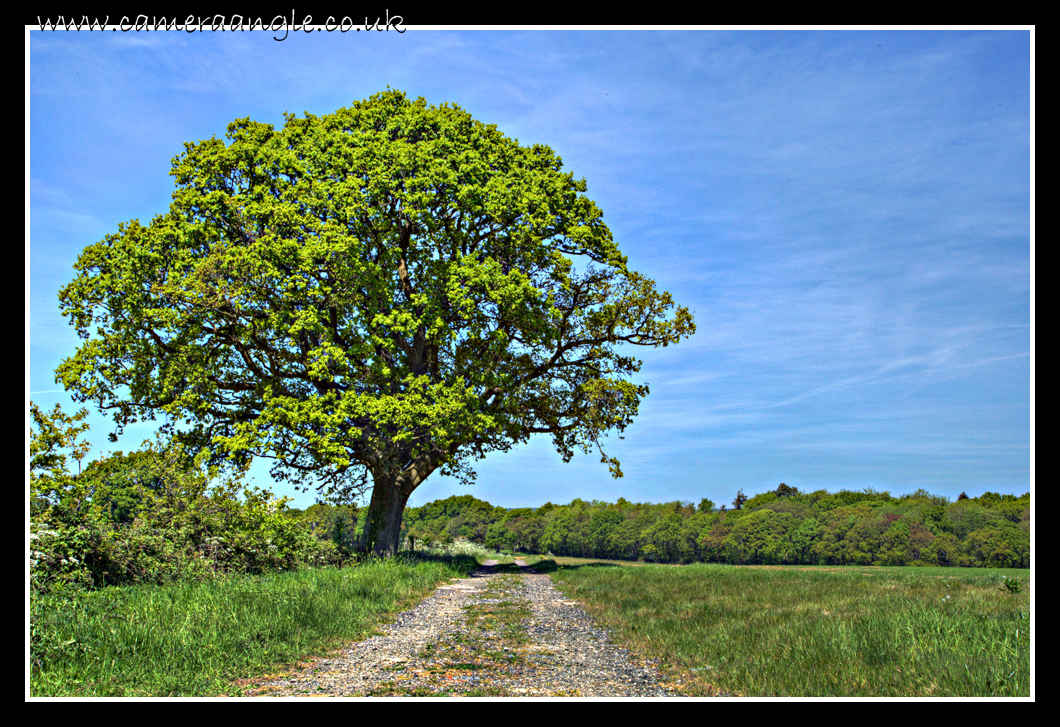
155 516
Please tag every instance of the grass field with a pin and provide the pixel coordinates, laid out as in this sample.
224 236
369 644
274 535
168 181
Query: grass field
754 631
817 631
197 639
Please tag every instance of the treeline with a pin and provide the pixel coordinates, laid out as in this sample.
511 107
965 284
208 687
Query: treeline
782 527
159 515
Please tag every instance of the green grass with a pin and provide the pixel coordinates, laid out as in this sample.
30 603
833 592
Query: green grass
199 639
803 631
791 631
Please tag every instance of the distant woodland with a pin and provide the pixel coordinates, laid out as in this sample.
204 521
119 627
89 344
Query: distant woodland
784 526
159 515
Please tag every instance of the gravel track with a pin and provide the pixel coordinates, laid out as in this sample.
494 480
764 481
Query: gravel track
493 634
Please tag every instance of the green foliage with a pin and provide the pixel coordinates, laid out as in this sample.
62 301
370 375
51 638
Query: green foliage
334 523
757 501
1014 509
51 484
935 519
461 516
847 528
664 540
602 528
793 506
968 515
924 497
999 547
120 484
738 503
1014 585
760 537
368 296
156 516
843 498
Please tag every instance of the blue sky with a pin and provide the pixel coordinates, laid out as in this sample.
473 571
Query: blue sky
847 213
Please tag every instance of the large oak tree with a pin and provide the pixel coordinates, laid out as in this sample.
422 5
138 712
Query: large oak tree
367 297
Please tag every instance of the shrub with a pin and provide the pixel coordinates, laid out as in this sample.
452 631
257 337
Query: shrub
155 516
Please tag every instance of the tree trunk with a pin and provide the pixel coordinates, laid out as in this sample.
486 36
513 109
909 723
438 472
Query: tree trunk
382 526
391 490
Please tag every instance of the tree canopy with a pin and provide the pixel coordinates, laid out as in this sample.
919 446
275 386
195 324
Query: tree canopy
376 293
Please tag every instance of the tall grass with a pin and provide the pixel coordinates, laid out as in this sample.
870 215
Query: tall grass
850 632
195 639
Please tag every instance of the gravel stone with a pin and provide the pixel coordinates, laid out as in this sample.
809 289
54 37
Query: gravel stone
449 645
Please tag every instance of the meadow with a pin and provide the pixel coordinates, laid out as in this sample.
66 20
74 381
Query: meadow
786 631
201 639
799 631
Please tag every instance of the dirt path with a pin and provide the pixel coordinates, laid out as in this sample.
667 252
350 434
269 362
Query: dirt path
503 631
